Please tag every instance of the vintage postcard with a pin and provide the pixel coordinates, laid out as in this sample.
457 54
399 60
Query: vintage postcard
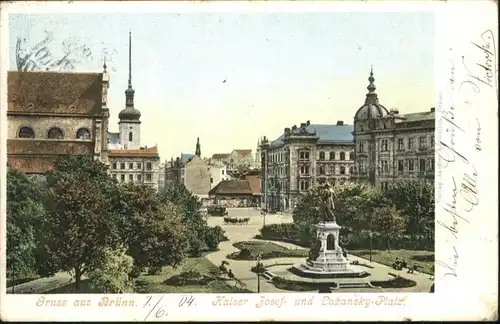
247 161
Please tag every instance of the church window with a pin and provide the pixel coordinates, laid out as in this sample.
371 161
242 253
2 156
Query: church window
83 133
55 133
130 137
321 155
342 156
26 132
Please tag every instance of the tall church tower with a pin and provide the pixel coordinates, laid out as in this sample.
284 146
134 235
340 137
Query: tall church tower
198 148
130 124
105 116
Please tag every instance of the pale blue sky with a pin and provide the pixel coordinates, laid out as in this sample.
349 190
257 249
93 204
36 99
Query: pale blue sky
281 69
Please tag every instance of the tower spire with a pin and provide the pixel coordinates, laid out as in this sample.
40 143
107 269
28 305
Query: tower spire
198 148
130 59
371 96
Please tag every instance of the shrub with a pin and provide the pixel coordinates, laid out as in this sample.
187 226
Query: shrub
397 282
245 254
154 270
112 274
211 240
259 268
191 277
135 273
196 247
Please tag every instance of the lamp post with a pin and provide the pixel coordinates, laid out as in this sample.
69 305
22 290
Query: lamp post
370 234
258 273
263 213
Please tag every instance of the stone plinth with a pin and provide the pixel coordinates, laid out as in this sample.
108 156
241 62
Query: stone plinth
330 262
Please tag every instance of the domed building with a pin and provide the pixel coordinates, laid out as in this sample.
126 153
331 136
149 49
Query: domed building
129 161
389 145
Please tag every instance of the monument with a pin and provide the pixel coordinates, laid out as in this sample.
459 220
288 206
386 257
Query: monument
328 261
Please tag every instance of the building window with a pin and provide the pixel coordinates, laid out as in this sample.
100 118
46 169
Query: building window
362 166
83 133
383 185
342 170
432 140
351 156
422 165
139 177
304 169
384 146
122 177
131 165
130 177
148 166
26 132
148 177
122 165
400 165
139 165
422 143
342 156
411 165
347 170
222 172
332 169
401 144
304 185
304 155
361 146
385 166
113 166
321 170
211 180
332 156
411 143
130 137
321 155
431 165
55 133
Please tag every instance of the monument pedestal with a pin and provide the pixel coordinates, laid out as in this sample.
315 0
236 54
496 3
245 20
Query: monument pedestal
330 262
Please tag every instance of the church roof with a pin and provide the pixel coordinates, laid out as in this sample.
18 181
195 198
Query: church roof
58 93
129 113
185 157
146 152
372 109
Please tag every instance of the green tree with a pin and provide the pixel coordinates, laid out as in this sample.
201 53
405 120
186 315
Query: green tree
415 200
83 211
161 238
388 223
25 226
112 274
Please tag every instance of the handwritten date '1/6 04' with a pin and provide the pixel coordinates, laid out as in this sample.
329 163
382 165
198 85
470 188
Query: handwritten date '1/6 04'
158 308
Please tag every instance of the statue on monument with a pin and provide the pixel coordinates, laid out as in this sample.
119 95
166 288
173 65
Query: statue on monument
328 205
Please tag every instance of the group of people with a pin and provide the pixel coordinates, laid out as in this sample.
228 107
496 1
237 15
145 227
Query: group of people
401 264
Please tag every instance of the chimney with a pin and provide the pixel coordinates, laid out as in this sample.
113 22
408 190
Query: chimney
433 109
302 125
308 122
287 130
340 122
294 127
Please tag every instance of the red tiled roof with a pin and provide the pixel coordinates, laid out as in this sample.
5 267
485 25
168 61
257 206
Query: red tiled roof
254 182
220 156
54 93
243 152
142 152
232 187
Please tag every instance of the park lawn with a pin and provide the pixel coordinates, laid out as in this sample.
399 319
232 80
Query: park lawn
155 283
424 259
270 249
